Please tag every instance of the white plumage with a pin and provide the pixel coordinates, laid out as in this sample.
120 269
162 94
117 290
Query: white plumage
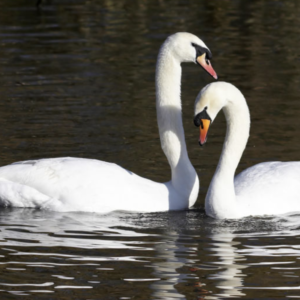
77 184
268 188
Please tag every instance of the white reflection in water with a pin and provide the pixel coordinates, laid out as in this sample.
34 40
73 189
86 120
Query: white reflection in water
79 230
172 255
231 260
230 278
230 251
28 284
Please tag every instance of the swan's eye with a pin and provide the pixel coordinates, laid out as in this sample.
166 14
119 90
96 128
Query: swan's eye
207 61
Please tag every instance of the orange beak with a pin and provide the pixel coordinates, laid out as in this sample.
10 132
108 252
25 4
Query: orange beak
206 65
205 123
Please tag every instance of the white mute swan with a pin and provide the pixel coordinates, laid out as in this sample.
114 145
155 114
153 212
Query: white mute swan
268 188
77 184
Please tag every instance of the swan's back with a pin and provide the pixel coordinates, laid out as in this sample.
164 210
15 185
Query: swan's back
75 184
269 188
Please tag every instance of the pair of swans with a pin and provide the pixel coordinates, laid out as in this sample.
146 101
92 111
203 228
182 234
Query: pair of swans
77 184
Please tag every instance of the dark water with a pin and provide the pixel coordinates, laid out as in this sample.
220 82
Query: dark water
77 79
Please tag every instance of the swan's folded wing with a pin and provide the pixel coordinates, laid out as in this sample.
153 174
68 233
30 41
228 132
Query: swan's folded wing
269 188
78 184
18 195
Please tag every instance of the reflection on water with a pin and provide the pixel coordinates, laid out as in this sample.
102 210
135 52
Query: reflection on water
230 277
179 255
77 79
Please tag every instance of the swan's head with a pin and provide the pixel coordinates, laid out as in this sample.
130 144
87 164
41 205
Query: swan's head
211 99
187 47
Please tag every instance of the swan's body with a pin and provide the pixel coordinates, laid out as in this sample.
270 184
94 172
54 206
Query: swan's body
269 188
76 184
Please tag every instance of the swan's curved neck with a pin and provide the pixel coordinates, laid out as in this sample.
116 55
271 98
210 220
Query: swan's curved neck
238 126
221 198
169 118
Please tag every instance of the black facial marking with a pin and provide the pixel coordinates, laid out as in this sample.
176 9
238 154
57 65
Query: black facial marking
201 50
202 115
